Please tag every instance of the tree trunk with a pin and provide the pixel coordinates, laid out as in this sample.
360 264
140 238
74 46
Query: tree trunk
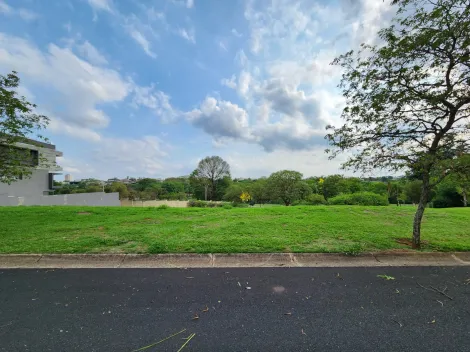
205 192
464 195
416 242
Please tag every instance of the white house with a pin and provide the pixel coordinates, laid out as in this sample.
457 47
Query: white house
40 182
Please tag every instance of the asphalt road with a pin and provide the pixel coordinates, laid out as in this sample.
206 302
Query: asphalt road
262 309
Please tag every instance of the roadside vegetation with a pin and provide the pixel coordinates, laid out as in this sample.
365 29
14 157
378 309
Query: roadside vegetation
343 229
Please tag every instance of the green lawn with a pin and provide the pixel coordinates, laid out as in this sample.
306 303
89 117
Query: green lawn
348 229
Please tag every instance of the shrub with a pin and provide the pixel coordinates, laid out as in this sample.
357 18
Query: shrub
163 206
299 202
240 205
203 204
316 199
227 206
360 198
197 204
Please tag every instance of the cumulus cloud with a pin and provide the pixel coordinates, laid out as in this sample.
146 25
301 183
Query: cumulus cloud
72 87
155 100
220 119
229 82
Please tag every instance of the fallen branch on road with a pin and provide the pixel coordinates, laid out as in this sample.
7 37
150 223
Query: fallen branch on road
433 289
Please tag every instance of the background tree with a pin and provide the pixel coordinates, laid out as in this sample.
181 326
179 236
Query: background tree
17 121
284 185
209 171
407 101
260 192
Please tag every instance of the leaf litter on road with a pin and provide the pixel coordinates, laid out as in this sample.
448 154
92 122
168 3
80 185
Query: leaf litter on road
386 277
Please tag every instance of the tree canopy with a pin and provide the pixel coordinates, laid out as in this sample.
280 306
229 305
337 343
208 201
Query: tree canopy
408 99
209 171
17 121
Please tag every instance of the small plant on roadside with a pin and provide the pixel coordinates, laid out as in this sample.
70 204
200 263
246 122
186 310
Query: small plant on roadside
386 277
354 250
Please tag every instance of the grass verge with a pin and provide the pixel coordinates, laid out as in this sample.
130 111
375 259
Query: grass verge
346 229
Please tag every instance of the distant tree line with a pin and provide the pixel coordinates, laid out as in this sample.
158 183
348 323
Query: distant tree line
213 182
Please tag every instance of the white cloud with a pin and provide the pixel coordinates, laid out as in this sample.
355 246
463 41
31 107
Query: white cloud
229 82
88 51
59 126
286 83
23 13
72 88
143 42
189 35
189 4
101 5
251 162
220 119
155 100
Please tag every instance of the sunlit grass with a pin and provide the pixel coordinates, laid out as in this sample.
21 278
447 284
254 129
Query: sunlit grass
348 229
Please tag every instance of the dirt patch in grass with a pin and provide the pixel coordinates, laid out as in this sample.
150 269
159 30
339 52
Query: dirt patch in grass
408 242
83 213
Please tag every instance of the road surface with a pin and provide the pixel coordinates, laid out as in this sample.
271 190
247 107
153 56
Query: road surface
246 309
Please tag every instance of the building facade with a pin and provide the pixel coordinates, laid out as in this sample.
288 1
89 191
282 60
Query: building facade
41 180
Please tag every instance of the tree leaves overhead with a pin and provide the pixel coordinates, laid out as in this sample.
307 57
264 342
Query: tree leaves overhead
408 101
17 121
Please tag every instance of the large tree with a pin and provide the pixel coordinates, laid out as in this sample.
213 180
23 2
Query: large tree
209 171
408 99
17 121
285 185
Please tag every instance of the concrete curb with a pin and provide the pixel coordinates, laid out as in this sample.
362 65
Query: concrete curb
242 260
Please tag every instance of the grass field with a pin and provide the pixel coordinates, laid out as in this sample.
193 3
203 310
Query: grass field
347 229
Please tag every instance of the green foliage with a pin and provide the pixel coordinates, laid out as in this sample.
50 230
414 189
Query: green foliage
163 206
260 192
197 204
62 229
407 99
17 121
315 199
204 204
285 185
227 206
212 177
240 205
333 185
361 198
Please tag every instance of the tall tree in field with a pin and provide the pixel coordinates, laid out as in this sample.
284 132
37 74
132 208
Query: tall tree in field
209 171
285 185
17 121
408 99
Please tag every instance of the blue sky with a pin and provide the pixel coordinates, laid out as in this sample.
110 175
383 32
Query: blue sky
148 88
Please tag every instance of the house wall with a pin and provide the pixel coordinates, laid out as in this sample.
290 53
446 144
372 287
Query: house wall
36 185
